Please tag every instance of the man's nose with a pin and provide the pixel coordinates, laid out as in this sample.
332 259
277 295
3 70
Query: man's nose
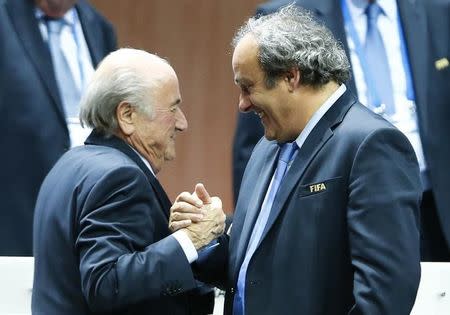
245 104
181 122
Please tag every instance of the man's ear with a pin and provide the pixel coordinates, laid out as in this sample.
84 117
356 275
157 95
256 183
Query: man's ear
292 78
125 115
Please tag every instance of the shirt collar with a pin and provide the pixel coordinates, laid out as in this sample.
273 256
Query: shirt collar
390 8
319 114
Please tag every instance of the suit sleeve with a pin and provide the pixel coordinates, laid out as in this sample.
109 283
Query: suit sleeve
120 262
211 267
383 221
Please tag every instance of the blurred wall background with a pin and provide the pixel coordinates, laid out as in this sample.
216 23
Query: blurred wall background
195 36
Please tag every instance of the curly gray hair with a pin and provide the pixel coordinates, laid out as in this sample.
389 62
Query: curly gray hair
291 37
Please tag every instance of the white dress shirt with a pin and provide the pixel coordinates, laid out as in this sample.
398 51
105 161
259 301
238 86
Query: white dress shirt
405 117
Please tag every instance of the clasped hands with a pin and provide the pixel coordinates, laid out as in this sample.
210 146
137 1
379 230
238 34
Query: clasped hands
200 216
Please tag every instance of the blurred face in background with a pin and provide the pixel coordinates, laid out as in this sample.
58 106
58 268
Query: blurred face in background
55 8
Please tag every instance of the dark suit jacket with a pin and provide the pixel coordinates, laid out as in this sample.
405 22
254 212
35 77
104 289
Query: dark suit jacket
343 233
101 238
426 31
34 132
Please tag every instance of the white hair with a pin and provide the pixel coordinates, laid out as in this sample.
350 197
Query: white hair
119 78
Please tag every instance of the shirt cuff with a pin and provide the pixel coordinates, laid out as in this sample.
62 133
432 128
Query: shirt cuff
187 245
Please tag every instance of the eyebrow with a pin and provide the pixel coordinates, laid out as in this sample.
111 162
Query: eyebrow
178 101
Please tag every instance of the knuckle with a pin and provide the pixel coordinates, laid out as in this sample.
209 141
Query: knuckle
182 196
185 195
184 207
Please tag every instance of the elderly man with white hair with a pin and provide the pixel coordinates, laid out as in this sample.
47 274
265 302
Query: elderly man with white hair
101 238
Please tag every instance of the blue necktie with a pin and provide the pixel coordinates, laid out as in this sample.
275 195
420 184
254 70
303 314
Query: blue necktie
377 62
286 153
68 90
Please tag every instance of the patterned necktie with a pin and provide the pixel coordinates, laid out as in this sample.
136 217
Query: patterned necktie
377 62
68 90
286 153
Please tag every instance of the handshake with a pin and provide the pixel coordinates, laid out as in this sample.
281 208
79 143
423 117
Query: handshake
200 216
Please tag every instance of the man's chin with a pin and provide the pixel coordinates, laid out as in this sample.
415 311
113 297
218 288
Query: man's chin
269 136
170 156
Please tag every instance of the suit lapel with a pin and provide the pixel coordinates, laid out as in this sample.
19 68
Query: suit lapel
261 184
413 18
321 133
118 144
27 29
91 31
261 176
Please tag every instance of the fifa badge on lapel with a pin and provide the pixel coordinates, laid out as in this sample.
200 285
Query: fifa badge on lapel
317 187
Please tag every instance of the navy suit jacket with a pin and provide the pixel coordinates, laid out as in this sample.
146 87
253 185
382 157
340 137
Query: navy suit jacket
426 25
34 131
343 233
101 238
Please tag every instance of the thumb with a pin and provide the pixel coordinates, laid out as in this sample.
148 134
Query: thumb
202 194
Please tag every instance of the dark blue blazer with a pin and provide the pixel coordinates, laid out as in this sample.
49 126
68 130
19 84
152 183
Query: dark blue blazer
426 25
343 233
101 239
34 132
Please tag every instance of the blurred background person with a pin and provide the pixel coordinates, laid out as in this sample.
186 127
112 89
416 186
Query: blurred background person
399 55
49 51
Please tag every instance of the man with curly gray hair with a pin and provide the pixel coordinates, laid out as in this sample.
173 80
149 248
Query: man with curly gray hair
327 216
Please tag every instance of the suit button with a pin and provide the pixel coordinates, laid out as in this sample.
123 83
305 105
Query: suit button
232 290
